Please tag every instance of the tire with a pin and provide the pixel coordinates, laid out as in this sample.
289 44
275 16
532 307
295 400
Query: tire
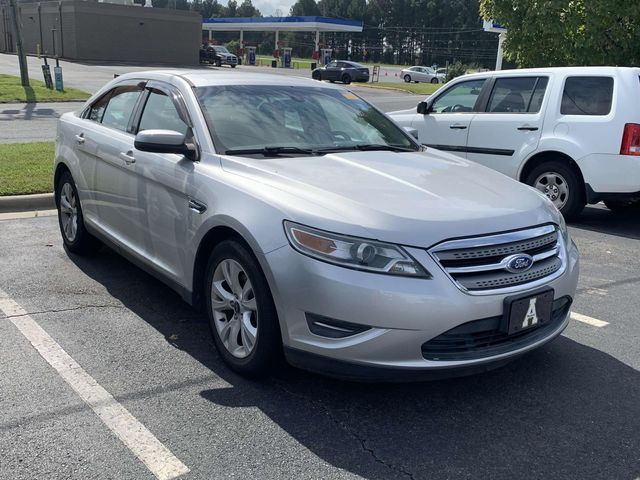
316 76
233 66
625 205
561 184
233 340
218 63
434 80
346 79
407 79
75 236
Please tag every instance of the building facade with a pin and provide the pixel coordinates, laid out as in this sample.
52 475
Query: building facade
83 30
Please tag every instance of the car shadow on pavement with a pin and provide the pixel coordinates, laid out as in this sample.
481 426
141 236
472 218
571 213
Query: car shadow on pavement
564 411
602 220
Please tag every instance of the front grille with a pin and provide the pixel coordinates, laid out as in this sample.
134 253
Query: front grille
485 338
479 265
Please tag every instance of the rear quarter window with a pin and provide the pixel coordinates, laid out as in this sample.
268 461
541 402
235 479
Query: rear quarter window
587 96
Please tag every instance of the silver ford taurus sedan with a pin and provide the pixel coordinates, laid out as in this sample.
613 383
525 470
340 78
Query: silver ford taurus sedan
310 227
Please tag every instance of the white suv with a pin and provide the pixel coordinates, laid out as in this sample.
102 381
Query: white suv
573 133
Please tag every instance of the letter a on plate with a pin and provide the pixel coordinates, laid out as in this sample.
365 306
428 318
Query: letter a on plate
531 318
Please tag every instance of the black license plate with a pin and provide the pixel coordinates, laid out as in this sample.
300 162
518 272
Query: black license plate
529 312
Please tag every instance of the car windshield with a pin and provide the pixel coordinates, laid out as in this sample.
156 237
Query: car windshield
294 120
222 49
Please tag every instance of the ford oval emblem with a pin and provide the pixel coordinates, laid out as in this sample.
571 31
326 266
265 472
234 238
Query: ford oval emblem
519 263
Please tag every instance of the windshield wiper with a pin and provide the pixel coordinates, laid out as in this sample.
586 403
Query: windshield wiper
270 151
366 147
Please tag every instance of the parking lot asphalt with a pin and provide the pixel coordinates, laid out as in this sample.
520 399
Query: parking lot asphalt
569 410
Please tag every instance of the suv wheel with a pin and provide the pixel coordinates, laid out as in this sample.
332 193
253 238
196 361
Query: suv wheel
346 79
75 236
242 315
626 205
560 183
407 78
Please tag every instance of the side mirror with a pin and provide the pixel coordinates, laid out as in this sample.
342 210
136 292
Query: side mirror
411 131
164 141
423 108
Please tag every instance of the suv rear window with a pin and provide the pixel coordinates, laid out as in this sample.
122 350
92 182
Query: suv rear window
587 96
517 95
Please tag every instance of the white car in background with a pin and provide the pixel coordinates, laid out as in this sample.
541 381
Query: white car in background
421 74
572 133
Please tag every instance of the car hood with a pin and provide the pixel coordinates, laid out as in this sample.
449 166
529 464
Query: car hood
416 199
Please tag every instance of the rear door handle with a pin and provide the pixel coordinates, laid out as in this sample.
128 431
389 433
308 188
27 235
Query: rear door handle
128 157
197 206
527 128
458 126
80 139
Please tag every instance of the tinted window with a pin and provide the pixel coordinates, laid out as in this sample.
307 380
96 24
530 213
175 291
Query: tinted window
517 95
160 114
97 109
460 98
587 96
120 107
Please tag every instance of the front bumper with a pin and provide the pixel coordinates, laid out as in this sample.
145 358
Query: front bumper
403 314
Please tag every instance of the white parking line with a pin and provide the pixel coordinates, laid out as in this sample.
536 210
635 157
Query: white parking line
144 445
594 322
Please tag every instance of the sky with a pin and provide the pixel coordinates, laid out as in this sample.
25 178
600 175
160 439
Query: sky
269 7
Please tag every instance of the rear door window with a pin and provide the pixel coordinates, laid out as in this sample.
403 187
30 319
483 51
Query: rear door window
517 95
120 107
587 96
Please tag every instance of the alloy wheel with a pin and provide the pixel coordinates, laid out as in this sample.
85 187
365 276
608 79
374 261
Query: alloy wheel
235 312
554 186
69 212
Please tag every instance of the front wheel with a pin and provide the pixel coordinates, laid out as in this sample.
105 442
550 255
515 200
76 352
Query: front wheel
242 315
75 236
233 66
560 183
407 79
316 76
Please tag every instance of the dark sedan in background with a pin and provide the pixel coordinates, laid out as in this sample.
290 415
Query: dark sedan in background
342 71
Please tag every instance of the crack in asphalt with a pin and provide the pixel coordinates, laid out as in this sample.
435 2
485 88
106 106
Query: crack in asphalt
343 426
62 310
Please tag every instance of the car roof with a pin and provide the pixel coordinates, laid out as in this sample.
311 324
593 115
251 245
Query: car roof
207 77
559 70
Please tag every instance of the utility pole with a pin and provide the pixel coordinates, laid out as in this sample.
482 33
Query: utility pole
22 59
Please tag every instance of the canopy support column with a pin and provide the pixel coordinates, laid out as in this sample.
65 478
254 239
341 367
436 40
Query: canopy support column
317 40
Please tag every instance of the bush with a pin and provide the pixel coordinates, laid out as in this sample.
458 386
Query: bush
455 70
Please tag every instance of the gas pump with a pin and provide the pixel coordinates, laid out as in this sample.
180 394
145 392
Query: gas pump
251 55
326 55
286 57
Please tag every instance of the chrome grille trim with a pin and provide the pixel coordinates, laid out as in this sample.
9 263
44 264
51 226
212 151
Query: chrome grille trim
477 266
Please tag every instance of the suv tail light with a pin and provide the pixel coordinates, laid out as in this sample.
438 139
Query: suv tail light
630 139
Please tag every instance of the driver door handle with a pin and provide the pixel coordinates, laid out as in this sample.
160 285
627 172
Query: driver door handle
458 126
80 139
128 157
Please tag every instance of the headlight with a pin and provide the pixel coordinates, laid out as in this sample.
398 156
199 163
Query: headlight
564 230
352 252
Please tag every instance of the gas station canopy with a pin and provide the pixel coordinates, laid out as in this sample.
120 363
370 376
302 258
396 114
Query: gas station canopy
282 24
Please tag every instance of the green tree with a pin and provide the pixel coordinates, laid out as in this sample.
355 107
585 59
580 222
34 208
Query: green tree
568 32
304 8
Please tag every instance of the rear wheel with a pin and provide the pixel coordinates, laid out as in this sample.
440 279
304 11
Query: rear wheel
242 315
316 76
434 80
346 79
218 63
75 236
626 205
560 183
407 78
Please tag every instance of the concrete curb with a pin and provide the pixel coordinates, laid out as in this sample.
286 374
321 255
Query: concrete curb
22 203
